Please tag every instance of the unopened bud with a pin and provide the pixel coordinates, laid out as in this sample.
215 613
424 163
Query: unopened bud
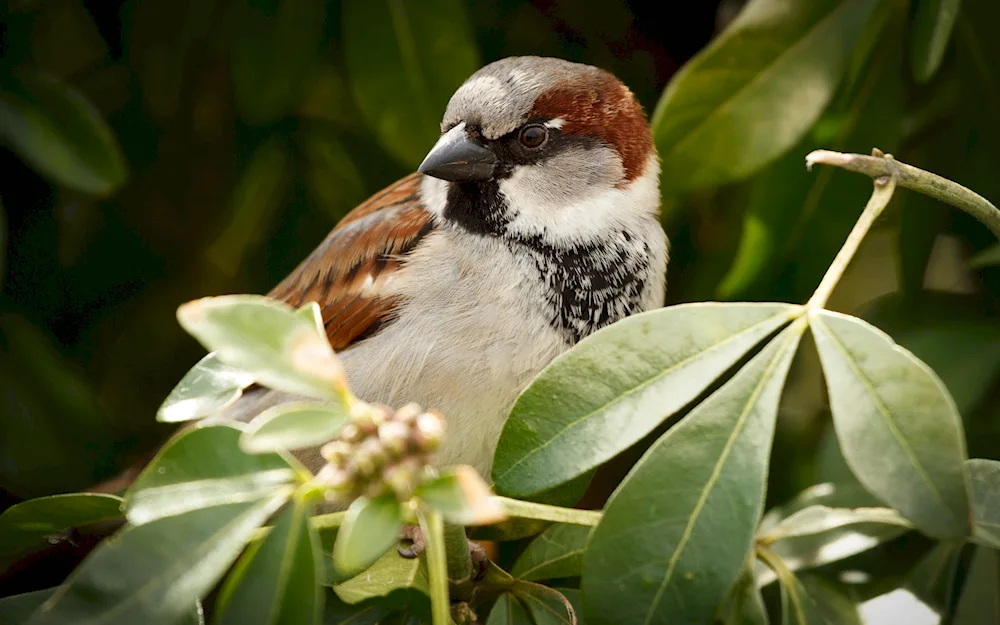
408 414
402 478
371 451
429 431
351 434
336 452
394 437
368 417
375 488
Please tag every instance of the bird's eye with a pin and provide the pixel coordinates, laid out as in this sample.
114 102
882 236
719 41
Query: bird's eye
533 136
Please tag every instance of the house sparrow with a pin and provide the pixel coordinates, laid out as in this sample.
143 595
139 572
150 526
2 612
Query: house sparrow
532 223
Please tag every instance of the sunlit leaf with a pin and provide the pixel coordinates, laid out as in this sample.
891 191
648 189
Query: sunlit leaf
933 24
60 134
556 552
370 529
200 467
699 491
170 563
26 525
897 426
277 582
294 425
820 519
985 480
979 603
208 387
618 384
390 573
755 90
405 60
265 337
462 497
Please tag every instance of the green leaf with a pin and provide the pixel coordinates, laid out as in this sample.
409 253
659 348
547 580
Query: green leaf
278 582
462 497
390 574
17 609
170 563
745 605
557 552
281 349
405 60
797 606
200 467
979 603
896 423
755 90
545 606
272 52
985 481
370 528
508 611
832 601
294 425
208 387
26 524
60 134
337 612
933 24
699 490
987 258
618 384
932 579
821 519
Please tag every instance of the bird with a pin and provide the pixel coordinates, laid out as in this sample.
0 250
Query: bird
531 223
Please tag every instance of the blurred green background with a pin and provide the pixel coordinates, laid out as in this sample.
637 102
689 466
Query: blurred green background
156 151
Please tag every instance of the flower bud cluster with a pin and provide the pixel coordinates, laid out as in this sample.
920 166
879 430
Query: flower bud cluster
381 451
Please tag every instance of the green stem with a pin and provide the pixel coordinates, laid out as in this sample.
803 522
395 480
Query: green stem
432 526
884 187
544 512
456 547
334 519
788 583
911 177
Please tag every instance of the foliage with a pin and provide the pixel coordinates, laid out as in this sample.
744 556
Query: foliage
702 402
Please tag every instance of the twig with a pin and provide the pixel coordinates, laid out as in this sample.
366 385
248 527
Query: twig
543 512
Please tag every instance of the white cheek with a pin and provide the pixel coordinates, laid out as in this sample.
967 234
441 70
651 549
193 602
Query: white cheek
434 194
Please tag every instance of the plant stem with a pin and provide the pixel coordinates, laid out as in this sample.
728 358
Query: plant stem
432 526
789 588
334 519
456 547
544 512
884 187
911 177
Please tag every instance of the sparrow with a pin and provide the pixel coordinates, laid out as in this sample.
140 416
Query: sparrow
531 223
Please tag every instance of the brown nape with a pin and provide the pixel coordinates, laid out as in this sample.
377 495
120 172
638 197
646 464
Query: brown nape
603 108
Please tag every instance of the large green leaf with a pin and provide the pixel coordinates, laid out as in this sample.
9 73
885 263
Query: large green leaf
154 573
392 573
60 134
985 480
896 423
293 425
699 491
557 552
200 467
208 387
273 49
282 349
618 384
25 525
405 59
279 581
370 529
752 93
932 27
979 603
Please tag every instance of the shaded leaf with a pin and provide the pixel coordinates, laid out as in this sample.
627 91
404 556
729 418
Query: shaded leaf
545 606
390 573
932 26
755 90
294 425
745 605
699 490
832 603
984 476
896 423
462 497
986 258
200 467
979 603
557 552
797 606
208 387
370 529
932 579
337 612
60 134
405 60
171 563
26 525
265 337
17 609
618 384
508 611
277 582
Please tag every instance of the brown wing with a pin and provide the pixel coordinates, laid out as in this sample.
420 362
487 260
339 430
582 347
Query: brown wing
347 272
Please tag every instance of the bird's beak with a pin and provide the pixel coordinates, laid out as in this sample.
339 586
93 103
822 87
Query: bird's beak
457 158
